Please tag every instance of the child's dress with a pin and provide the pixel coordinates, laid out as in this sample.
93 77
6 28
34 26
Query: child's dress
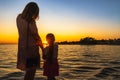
51 69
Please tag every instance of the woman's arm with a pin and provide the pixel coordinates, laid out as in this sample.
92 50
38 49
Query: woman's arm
34 33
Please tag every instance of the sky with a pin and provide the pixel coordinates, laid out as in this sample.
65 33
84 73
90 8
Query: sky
68 20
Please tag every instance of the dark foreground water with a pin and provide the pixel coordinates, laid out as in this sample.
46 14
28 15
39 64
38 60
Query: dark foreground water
77 62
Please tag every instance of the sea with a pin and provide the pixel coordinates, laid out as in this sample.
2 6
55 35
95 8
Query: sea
76 62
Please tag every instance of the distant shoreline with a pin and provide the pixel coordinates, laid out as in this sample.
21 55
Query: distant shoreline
84 41
93 41
61 44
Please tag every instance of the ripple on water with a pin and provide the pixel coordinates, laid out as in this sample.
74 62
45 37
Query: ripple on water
115 62
90 68
106 72
12 76
76 63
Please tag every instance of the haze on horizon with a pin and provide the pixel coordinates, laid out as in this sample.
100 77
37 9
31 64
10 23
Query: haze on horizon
69 20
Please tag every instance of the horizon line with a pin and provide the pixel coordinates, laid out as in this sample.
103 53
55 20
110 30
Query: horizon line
60 41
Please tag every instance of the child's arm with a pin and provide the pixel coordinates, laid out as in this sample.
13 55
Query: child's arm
34 33
44 56
55 50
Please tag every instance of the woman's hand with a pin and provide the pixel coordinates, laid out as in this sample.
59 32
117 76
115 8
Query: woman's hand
38 43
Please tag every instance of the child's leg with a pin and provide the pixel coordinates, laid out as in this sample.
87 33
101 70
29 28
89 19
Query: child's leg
51 78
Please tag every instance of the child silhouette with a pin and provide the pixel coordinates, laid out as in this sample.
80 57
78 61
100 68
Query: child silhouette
51 67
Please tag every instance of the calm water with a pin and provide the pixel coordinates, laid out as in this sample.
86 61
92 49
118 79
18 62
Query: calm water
77 62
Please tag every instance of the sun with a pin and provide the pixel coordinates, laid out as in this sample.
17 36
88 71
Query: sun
44 42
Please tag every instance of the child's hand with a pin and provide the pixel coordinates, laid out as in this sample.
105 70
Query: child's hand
43 54
43 57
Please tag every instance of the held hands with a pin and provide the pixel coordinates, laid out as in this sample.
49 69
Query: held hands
43 54
39 43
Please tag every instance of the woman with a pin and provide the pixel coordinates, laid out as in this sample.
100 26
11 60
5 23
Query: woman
28 58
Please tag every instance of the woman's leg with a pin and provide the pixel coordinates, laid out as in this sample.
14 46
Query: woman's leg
51 78
30 73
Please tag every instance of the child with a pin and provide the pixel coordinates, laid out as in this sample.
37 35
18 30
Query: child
51 67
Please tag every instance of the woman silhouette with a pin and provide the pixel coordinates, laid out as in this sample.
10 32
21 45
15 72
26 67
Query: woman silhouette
28 57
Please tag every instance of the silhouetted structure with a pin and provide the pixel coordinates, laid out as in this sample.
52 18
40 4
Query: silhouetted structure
88 40
93 41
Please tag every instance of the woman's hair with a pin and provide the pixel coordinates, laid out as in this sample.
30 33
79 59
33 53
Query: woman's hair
51 38
30 12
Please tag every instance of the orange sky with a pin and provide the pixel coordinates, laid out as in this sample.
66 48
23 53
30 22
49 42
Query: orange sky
68 22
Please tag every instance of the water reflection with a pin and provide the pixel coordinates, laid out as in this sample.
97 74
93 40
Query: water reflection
77 62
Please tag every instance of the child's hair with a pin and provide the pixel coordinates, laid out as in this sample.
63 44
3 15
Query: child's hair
50 38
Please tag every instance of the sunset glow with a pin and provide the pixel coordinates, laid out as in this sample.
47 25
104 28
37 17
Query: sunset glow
68 20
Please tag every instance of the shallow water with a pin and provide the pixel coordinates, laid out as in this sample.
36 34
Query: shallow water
77 62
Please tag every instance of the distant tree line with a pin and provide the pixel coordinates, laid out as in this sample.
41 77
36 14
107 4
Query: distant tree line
93 41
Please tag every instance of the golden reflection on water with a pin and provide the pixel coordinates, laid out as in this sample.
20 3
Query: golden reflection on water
76 61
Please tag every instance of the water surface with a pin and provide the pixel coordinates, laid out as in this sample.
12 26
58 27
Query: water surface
77 62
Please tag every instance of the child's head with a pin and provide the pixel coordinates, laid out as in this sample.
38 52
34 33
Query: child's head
50 38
